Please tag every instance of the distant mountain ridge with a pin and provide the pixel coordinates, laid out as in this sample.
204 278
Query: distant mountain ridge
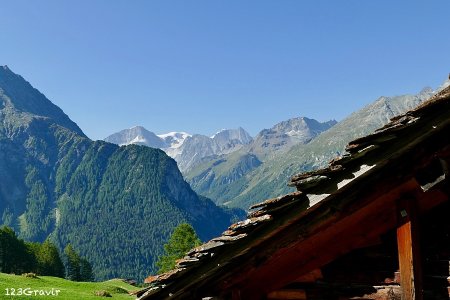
261 168
270 179
192 150
185 148
218 178
282 136
116 205
199 148
212 164
215 177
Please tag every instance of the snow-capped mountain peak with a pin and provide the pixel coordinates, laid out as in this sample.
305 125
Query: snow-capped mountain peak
174 139
136 135
185 148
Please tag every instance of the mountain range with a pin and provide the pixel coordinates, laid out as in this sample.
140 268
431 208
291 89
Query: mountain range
259 168
187 149
192 150
115 205
118 204
269 179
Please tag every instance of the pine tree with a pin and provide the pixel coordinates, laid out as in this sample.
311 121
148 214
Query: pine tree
72 264
7 236
15 256
180 242
33 248
86 270
48 260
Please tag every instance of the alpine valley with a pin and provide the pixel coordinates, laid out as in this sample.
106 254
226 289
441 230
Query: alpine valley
116 205
229 152
117 201
248 170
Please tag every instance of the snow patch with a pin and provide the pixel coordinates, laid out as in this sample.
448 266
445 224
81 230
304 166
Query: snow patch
221 130
137 140
175 134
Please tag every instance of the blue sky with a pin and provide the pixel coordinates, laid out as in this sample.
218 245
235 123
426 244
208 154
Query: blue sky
199 66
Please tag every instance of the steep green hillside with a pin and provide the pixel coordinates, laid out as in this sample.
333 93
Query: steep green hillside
116 205
215 179
64 289
255 180
270 179
220 177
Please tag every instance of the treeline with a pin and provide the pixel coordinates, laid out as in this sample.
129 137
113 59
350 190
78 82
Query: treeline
18 257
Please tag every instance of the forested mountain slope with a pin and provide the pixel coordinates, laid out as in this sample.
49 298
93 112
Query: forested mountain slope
116 205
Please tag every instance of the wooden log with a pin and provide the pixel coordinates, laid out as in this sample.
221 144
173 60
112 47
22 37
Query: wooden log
409 250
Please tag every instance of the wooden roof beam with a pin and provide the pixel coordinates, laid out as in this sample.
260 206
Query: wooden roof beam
408 244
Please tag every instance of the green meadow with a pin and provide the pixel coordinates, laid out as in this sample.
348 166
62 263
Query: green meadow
61 289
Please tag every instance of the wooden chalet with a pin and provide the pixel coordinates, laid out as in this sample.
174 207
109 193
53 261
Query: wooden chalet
375 224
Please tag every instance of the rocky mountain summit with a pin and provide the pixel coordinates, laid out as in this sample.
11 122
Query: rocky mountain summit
173 141
19 101
199 148
137 135
228 139
284 135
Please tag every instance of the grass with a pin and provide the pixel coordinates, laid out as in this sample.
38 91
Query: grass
68 289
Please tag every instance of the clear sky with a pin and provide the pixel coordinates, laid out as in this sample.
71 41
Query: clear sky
199 66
